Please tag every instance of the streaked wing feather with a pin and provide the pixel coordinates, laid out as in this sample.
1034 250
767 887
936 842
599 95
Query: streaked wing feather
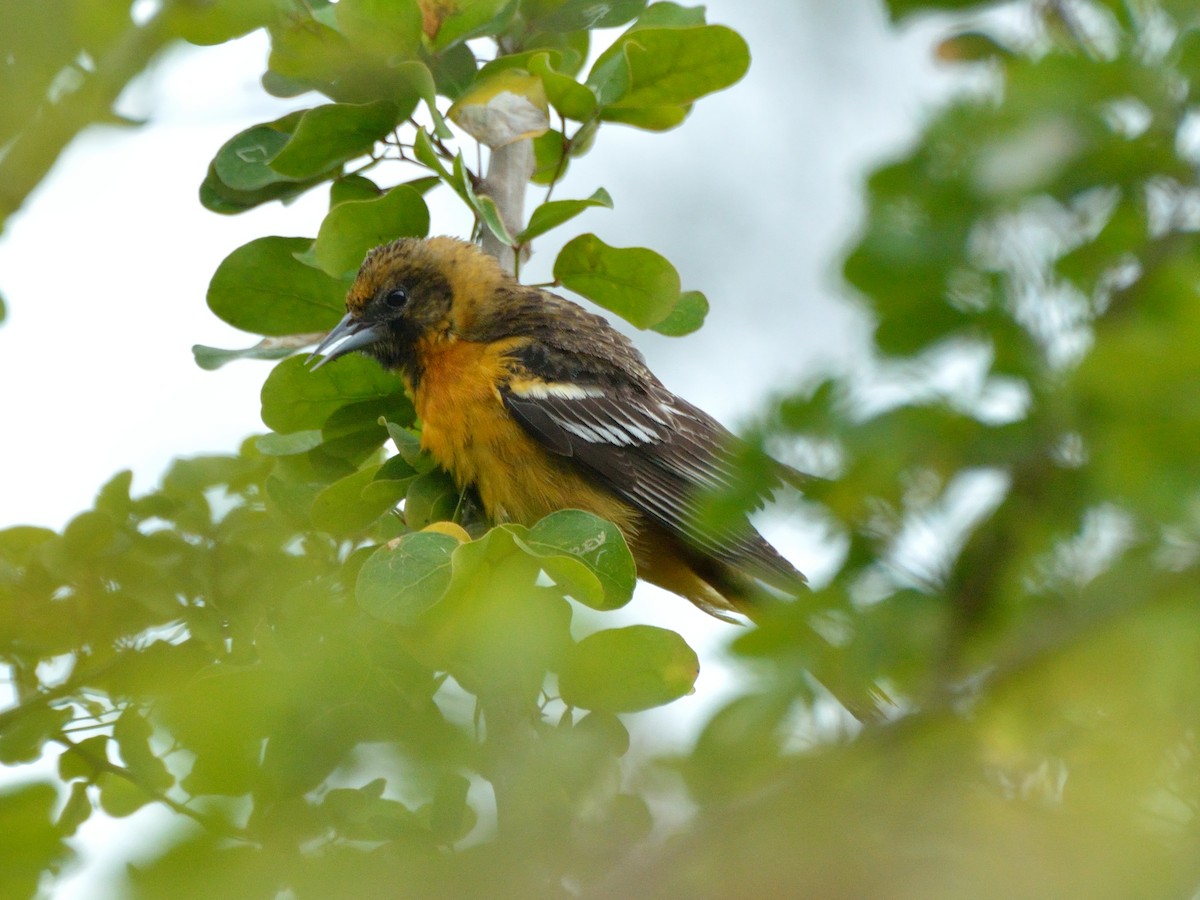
657 452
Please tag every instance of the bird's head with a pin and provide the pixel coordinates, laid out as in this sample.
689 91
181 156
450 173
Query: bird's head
408 290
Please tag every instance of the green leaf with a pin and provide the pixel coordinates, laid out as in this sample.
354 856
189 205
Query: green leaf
400 583
554 212
397 468
194 474
131 732
82 760
118 797
665 67
584 139
970 47
353 228
448 812
218 21
262 288
637 284
427 156
549 162
610 77
687 316
353 187
520 61
288 444
212 358
484 206
241 163
604 730
419 79
571 48
382 28
628 669
19 543
454 71
239 177
900 9
292 498
576 15
24 736
363 417
572 99
91 534
113 498
362 814
327 136
424 185
1187 55
747 729
431 497
471 18
309 53
294 398
585 555
390 484
78 809
344 508
649 118
497 630
408 444
218 197
306 53
669 15
1126 230
283 87
32 844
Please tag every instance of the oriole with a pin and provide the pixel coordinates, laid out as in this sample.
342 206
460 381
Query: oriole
540 406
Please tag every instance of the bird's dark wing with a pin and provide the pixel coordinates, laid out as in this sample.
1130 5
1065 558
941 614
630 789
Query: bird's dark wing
654 450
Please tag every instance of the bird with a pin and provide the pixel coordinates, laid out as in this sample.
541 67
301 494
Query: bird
540 405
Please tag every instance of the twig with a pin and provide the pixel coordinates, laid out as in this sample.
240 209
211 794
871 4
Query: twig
509 170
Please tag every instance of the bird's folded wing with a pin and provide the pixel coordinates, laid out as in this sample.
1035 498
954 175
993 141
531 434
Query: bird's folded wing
652 449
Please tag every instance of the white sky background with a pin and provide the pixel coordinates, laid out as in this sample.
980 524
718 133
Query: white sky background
753 199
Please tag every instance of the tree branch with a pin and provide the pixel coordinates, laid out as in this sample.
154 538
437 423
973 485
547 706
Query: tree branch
509 170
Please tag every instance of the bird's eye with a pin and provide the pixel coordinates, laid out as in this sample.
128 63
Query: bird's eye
396 298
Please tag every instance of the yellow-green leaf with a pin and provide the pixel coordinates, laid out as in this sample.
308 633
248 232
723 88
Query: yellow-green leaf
637 284
628 669
354 227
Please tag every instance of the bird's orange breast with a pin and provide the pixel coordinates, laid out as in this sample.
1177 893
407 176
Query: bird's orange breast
466 427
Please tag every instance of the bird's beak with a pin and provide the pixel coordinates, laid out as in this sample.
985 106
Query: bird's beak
349 334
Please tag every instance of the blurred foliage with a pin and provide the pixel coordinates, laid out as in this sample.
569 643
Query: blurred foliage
316 655
62 65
